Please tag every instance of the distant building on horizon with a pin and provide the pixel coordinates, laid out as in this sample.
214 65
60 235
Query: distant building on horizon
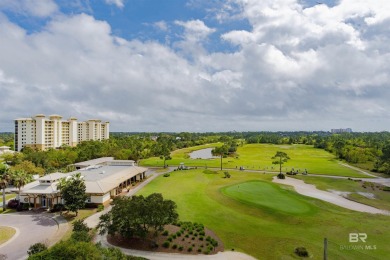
341 130
53 132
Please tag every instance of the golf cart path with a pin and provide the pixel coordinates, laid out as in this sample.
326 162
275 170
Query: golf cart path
311 191
358 170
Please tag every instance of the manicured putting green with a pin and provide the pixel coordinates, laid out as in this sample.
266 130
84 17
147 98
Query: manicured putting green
267 195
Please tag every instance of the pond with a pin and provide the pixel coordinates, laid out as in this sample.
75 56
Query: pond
202 154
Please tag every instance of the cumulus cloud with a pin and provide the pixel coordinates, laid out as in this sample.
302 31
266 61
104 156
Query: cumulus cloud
118 3
296 68
161 25
42 8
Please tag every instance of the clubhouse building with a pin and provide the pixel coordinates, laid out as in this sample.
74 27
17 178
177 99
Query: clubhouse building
104 178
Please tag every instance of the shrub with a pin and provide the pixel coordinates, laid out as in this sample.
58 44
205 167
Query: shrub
193 238
174 236
180 248
165 233
174 246
201 238
153 244
166 244
36 248
189 249
166 175
178 233
57 207
281 176
386 188
199 250
79 225
187 236
100 208
301 251
202 233
81 236
207 251
13 204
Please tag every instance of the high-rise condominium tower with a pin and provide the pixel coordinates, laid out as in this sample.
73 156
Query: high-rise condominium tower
43 133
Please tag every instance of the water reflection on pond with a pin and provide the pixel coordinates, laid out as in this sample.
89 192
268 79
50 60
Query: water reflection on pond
202 154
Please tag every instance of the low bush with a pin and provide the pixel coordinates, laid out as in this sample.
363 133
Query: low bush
174 246
166 244
57 207
302 252
36 248
79 225
281 176
180 248
81 236
166 175
165 233
100 208
13 204
189 249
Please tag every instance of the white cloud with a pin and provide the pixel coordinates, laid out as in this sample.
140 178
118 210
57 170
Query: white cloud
295 68
161 25
118 3
41 8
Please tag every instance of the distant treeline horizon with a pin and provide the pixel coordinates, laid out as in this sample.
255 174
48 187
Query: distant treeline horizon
367 150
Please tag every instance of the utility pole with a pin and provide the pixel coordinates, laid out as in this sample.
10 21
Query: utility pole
325 249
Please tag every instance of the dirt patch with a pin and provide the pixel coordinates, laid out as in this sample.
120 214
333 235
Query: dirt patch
182 241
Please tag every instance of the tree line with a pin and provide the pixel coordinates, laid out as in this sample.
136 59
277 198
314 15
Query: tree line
366 150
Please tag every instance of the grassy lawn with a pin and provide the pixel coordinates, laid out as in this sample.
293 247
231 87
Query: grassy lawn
6 233
71 217
266 220
258 157
268 196
381 200
7 211
7 197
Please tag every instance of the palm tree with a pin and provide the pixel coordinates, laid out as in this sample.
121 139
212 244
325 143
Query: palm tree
19 178
4 179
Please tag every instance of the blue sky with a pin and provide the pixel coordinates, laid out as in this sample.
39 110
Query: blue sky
248 65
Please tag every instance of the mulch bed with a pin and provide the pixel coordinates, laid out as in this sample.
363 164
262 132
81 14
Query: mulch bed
198 246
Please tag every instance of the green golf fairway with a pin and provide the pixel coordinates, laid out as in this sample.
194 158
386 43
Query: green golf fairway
262 194
267 220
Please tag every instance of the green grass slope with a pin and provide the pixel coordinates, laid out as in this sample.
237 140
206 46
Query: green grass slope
264 222
258 157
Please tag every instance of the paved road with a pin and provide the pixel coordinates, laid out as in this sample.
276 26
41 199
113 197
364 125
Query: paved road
31 228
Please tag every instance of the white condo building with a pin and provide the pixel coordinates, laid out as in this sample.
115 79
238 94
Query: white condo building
43 133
